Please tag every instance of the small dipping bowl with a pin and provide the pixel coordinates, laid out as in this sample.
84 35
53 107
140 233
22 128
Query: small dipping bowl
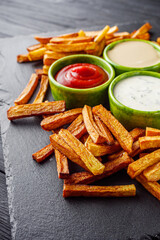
129 117
79 97
119 69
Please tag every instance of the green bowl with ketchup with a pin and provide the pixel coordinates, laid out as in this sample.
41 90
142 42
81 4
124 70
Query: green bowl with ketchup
80 80
133 55
134 99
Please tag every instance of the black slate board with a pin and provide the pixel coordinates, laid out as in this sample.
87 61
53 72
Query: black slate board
37 208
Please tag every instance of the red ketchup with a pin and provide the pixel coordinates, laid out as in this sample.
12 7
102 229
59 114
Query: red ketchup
81 75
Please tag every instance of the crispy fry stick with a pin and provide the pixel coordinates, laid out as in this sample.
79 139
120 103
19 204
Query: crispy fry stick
43 89
27 93
149 142
74 47
87 158
143 29
102 34
39 73
35 109
48 60
135 168
116 128
36 54
98 191
92 33
104 130
152 131
77 127
91 126
43 153
112 30
111 167
45 69
122 34
114 40
22 58
43 40
81 33
59 144
59 120
71 40
34 47
57 55
62 165
152 173
144 36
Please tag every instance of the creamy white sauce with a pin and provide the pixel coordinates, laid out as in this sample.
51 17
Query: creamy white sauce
139 92
134 54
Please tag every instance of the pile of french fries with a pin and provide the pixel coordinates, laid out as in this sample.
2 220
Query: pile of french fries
91 134
49 49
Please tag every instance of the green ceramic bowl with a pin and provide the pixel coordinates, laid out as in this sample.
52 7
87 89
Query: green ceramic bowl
119 69
79 97
129 117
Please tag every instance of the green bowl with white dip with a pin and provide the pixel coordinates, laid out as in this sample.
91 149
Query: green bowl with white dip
133 55
134 99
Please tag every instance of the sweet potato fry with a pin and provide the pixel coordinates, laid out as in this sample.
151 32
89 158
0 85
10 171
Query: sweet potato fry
91 126
36 54
28 91
71 40
59 144
98 191
143 29
87 158
43 89
35 109
104 130
152 173
135 168
39 73
77 127
111 167
22 58
121 134
59 120
148 142
102 34
74 47
35 47
152 131
62 165
43 153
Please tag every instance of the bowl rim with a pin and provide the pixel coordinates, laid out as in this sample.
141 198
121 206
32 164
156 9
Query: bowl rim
77 90
124 76
125 68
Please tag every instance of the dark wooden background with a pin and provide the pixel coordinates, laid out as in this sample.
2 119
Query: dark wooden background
36 16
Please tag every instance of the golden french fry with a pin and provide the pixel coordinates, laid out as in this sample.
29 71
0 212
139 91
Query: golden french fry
22 58
35 47
148 142
48 60
57 55
45 69
114 40
43 153
43 40
152 131
71 40
111 167
122 34
87 158
144 36
143 29
36 54
135 168
59 120
39 73
98 191
62 165
74 47
102 34
92 33
91 126
121 134
43 89
81 33
35 109
27 93
152 173
77 127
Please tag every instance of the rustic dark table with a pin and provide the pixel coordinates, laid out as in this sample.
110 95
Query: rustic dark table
32 17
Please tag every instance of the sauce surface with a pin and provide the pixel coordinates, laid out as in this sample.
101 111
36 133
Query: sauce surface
81 75
139 92
134 54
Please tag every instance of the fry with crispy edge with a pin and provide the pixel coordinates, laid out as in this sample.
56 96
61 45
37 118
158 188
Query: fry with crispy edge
22 58
77 127
45 69
62 165
71 40
152 173
36 54
59 120
71 190
43 153
48 60
28 91
73 47
102 34
91 126
93 165
148 142
111 167
152 132
143 29
135 168
43 89
121 134
35 109
39 72
34 47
